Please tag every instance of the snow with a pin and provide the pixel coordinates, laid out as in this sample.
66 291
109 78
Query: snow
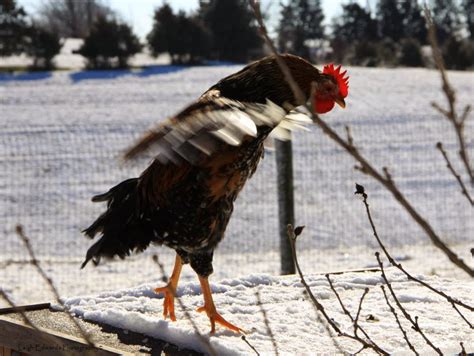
291 316
62 133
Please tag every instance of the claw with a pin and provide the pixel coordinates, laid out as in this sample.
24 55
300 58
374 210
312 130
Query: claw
169 290
210 309
215 317
168 302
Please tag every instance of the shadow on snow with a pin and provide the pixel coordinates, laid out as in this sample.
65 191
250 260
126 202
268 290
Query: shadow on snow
102 74
25 76
117 73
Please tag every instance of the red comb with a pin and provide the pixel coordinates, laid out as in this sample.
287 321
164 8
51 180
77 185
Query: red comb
342 81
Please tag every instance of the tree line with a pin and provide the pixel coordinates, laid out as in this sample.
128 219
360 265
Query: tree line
391 34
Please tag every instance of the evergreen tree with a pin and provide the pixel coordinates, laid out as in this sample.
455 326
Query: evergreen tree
458 54
446 16
355 31
411 53
109 40
42 45
194 40
233 29
184 38
13 28
355 24
287 28
301 21
164 34
309 27
413 20
390 19
468 7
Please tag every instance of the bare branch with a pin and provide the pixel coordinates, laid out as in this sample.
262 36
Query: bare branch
350 140
392 309
328 328
267 323
413 321
320 308
201 337
439 146
465 114
450 114
355 321
364 165
462 316
250 345
360 350
360 190
49 282
440 109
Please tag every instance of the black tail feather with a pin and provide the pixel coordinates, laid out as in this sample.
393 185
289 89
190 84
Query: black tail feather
125 227
93 253
119 190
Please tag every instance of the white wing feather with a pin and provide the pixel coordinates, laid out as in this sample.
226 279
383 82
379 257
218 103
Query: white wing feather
230 122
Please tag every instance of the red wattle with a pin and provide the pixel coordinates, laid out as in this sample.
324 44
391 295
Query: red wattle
323 106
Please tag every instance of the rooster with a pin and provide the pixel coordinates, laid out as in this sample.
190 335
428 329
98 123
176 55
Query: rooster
204 156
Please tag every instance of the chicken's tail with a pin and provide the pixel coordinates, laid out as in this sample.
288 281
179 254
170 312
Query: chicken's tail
124 227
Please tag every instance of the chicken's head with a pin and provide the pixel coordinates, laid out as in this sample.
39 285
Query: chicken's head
331 89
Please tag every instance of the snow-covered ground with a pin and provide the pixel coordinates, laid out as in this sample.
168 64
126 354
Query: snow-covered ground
62 132
291 317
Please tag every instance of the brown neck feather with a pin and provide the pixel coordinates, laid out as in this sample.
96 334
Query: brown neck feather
264 80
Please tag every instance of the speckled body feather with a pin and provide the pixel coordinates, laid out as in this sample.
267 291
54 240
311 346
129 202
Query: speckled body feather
185 198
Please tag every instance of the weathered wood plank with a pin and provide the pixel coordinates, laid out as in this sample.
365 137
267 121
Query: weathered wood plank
20 337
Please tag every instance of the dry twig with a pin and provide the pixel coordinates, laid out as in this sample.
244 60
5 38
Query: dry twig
439 146
392 309
355 321
413 321
250 345
49 282
450 114
454 302
267 323
364 166
201 337
366 344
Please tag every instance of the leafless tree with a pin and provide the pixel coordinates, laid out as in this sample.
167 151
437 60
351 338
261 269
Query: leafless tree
72 18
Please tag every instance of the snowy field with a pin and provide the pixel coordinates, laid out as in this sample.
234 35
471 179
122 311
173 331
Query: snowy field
62 134
291 317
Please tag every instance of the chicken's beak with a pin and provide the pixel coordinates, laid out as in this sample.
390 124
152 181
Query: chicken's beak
340 101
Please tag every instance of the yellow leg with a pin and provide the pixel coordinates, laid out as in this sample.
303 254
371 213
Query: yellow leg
211 311
170 290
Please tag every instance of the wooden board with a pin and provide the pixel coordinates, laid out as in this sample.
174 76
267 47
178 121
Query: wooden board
20 337
115 340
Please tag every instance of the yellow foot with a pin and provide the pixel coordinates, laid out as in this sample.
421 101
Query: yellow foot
215 317
168 302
